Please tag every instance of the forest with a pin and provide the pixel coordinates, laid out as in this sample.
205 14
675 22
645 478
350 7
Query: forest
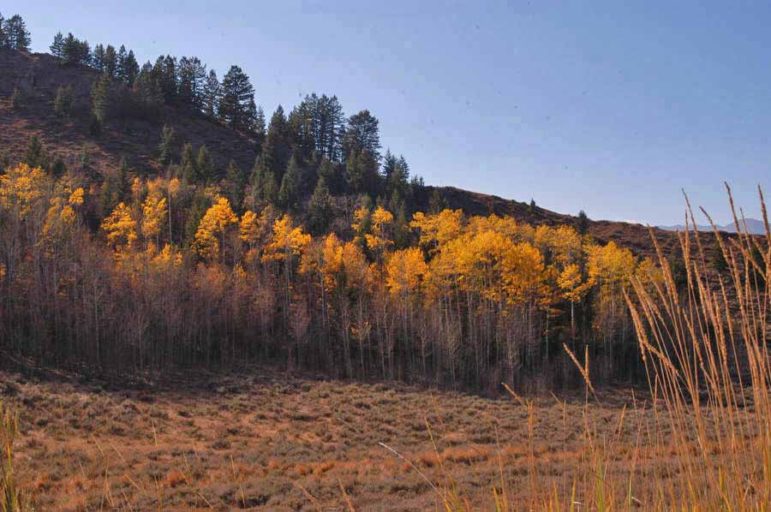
315 259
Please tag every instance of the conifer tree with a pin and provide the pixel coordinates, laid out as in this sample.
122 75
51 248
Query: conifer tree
3 38
277 148
16 34
166 147
235 180
237 100
110 61
57 47
212 93
36 155
291 184
100 98
259 130
127 67
362 134
191 75
320 208
63 101
188 163
97 58
204 165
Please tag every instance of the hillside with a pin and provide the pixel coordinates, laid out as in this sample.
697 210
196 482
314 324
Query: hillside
38 76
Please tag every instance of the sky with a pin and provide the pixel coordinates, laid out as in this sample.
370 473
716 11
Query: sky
603 106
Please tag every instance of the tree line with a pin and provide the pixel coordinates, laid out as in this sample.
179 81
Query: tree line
14 33
456 300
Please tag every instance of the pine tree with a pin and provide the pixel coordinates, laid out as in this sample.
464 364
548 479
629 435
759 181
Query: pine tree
320 208
100 99
147 91
75 51
188 164
212 93
57 47
97 58
110 61
362 172
362 134
115 188
165 72
191 75
277 148
120 61
204 165
331 174
237 98
583 222
3 38
16 34
36 155
63 101
289 193
127 67
235 180
259 130
166 147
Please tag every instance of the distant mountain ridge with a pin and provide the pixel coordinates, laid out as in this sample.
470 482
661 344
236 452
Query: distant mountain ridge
752 226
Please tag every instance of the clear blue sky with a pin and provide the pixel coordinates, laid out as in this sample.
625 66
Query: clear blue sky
607 106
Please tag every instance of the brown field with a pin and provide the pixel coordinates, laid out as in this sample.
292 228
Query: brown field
264 441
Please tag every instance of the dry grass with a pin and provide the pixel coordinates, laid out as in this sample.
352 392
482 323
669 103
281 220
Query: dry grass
698 439
280 443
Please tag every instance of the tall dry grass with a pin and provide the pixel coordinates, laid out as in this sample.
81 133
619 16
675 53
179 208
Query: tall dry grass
10 496
705 347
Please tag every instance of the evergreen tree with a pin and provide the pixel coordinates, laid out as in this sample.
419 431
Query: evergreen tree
235 181
191 76
259 130
212 92
16 34
204 165
332 176
100 99
167 145
36 155
362 172
147 91
75 51
110 61
362 134
320 208
277 148
166 74
583 222
63 101
3 38
237 100
264 187
120 60
57 47
291 184
114 189
127 68
188 164
97 58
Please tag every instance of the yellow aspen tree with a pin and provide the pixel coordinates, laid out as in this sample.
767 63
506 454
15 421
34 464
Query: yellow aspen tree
120 228
154 214
210 236
405 271
438 229
378 239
